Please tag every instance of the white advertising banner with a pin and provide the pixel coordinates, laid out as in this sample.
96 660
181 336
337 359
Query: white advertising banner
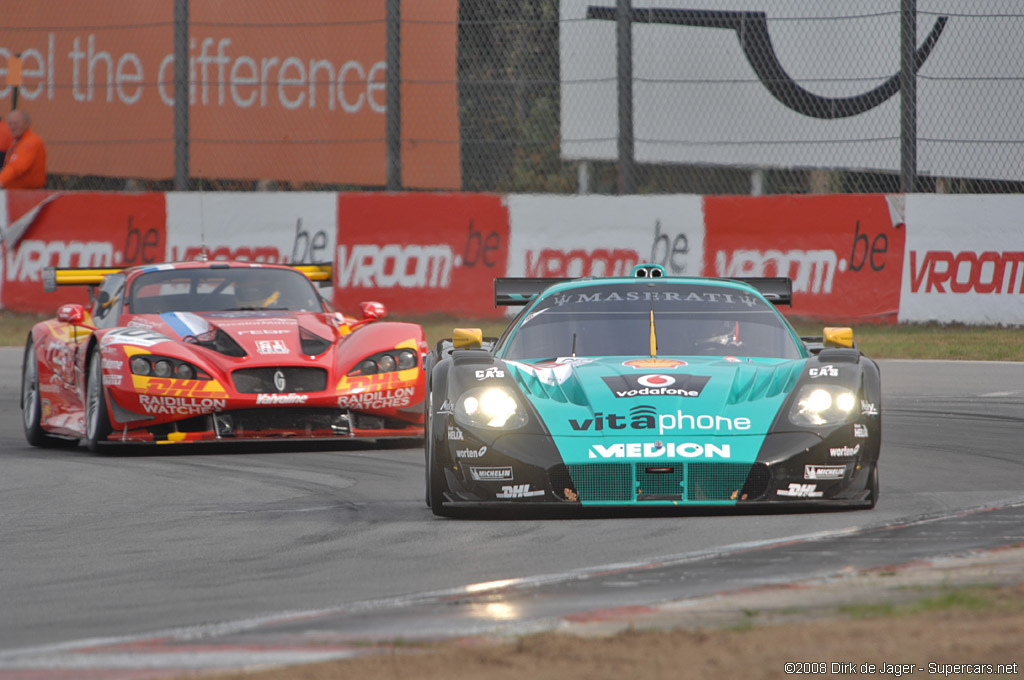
572 236
797 83
293 228
964 259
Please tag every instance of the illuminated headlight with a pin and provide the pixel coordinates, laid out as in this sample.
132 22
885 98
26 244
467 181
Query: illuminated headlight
490 407
822 405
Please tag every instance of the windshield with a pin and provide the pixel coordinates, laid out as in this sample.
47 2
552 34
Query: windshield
223 289
615 320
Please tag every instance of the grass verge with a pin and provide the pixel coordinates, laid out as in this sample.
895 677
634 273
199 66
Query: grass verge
905 341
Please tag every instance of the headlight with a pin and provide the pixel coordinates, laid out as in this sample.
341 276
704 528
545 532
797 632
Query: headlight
387 362
822 405
165 367
490 407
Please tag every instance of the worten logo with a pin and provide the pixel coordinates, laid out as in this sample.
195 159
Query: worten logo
656 385
752 30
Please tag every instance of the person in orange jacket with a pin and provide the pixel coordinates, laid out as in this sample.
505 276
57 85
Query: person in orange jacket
5 140
25 163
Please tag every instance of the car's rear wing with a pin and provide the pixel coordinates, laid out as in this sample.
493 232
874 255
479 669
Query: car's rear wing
54 277
520 290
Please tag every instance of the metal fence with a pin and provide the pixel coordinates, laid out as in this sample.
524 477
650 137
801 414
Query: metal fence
576 96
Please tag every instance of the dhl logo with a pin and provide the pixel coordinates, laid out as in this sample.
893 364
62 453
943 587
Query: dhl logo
171 387
379 381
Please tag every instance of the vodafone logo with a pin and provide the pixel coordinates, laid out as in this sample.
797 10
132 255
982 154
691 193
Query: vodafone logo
656 385
656 380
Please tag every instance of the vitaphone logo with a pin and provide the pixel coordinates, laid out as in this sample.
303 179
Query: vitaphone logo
656 385
647 418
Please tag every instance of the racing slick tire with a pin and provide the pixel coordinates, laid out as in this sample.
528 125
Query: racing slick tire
435 481
428 364
31 404
97 419
873 488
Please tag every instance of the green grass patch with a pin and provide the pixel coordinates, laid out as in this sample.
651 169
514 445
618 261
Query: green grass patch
967 598
917 341
902 341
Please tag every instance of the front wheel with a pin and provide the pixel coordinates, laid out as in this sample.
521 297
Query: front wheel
31 404
435 475
97 420
873 488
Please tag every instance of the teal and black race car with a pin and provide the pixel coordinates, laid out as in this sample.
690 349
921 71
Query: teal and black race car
650 390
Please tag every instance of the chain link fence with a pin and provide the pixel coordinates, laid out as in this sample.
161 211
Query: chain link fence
715 97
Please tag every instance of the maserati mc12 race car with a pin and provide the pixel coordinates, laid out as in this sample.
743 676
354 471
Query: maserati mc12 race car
650 390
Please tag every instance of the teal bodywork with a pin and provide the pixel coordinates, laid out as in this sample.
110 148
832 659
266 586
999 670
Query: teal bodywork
723 423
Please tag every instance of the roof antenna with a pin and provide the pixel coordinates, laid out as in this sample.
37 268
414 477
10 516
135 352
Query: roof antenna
204 253
654 336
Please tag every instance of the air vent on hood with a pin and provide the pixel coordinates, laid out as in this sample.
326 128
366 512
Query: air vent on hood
311 343
752 382
218 341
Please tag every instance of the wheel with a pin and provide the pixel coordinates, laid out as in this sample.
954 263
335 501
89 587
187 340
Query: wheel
873 488
31 404
435 485
427 410
434 473
97 420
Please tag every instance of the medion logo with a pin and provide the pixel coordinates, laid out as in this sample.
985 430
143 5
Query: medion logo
660 450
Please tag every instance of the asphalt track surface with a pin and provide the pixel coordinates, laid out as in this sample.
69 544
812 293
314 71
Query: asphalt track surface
172 558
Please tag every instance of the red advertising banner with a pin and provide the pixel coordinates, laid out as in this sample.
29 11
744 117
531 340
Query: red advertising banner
843 252
421 253
76 230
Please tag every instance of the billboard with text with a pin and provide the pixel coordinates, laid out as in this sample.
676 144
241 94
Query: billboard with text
286 91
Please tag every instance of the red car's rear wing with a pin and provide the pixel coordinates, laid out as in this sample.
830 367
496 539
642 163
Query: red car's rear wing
88 276
520 290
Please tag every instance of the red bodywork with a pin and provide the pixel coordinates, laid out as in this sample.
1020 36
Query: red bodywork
285 374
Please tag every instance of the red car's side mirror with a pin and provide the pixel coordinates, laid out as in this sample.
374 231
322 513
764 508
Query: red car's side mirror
73 314
372 311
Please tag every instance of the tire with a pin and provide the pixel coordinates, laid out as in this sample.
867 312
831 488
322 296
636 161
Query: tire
873 488
31 404
435 485
97 419
428 365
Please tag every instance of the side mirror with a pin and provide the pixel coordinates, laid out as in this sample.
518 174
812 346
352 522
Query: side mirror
372 311
73 314
467 338
835 336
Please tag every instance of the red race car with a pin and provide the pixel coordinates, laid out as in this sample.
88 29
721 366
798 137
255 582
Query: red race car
217 351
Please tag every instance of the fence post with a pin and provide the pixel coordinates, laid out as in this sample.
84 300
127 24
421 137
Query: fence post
393 120
181 96
624 57
908 96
